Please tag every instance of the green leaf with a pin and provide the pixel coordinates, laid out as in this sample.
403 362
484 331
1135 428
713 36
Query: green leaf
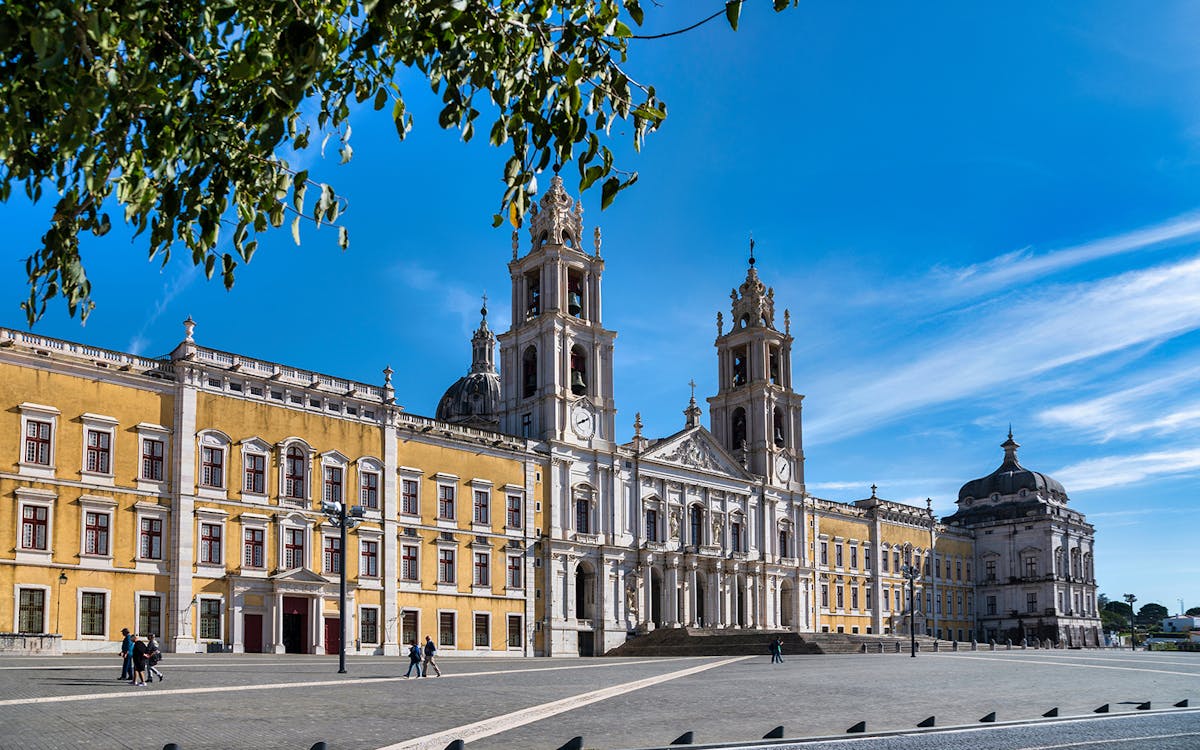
574 72
609 191
733 9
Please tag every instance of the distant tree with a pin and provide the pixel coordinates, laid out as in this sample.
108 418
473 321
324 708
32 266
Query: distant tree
1120 608
1193 612
1114 621
1102 600
1151 614
182 112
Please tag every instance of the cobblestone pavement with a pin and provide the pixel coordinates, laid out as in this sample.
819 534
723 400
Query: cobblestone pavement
213 701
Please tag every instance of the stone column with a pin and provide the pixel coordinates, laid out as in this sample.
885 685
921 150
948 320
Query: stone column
276 615
716 594
389 544
671 594
183 488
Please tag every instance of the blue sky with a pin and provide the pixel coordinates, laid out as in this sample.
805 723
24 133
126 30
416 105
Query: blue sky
977 214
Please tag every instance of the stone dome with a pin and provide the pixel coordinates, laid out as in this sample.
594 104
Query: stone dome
1011 478
474 399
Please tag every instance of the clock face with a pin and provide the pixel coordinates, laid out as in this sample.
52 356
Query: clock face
583 421
783 468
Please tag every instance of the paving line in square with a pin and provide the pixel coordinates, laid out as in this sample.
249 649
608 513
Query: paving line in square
469 733
1081 665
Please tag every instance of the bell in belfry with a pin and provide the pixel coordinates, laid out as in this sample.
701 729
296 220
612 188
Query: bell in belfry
578 387
574 303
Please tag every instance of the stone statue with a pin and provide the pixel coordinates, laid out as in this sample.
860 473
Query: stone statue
674 523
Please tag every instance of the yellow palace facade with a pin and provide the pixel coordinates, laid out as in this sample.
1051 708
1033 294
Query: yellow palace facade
183 497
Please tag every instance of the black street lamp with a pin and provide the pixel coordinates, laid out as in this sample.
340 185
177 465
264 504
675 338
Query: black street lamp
911 573
343 518
62 579
1130 598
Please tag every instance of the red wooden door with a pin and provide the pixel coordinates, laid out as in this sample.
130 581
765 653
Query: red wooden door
252 633
333 635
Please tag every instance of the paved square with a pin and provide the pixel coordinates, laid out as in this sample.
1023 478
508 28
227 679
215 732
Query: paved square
291 702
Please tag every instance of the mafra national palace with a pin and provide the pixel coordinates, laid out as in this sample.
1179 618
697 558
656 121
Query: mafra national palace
183 496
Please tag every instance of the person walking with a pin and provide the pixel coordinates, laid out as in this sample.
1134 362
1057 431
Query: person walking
139 662
414 659
430 650
777 651
126 655
153 657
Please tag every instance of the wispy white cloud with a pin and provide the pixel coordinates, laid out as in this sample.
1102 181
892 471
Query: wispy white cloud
1051 328
1023 265
1121 413
1121 470
180 280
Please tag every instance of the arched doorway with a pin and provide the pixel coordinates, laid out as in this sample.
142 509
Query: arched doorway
656 597
787 604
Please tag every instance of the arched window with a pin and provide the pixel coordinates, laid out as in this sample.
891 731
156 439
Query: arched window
785 541
295 474
777 428
529 379
696 524
738 431
579 379
533 294
741 366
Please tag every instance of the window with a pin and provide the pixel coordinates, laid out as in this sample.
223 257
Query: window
293 548
150 542
445 566
446 629
408 626
516 572
989 570
991 605
333 484
92 606
824 553
98 456
896 560
867 561
408 496
883 561
841 596
152 460
210 619
696 524
212 466
95 533
785 543
37 442
515 631
482 625
583 516
368 489
150 614
446 502
31 611
886 599
735 536
651 525
825 595
1031 601
481 569
897 593
958 570
408 562
210 543
853 556
35 526
368 631
256 473
1031 566
854 597
294 471
332 557
938 603
837 552
252 556
481 506
514 512
368 564
938 567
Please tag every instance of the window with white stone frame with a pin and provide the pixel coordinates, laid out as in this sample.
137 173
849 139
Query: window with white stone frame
369 472
256 463
447 622
516 631
152 457
410 492
295 460
210 619
93 614
214 458
368 625
99 444
150 609
96 531
409 565
150 537
515 577
294 547
333 477
483 627
35 530
32 610
39 425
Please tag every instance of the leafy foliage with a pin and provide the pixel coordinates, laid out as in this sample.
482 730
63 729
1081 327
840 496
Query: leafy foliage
182 112
1151 614
1193 612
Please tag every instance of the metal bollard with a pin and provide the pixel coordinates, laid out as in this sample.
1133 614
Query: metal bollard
684 739
454 745
927 722
774 734
858 728
1102 710
575 743
1051 713
989 719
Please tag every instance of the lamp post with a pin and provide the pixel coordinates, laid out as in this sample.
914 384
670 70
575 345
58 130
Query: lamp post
911 573
62 579
344 518
1130 599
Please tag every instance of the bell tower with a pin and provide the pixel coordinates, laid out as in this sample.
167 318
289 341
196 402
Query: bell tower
556 360
756 415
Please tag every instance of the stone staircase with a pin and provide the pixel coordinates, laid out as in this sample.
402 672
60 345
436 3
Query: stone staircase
732 642
711 642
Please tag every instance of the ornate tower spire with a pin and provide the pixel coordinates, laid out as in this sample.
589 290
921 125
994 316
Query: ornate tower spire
692 412
1010 448
753 301
557 219
483 344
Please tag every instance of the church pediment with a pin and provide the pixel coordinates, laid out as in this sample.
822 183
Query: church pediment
696 448
299 575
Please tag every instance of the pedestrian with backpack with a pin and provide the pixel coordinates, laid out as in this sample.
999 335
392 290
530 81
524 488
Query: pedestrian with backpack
153 657
430 650
414 659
